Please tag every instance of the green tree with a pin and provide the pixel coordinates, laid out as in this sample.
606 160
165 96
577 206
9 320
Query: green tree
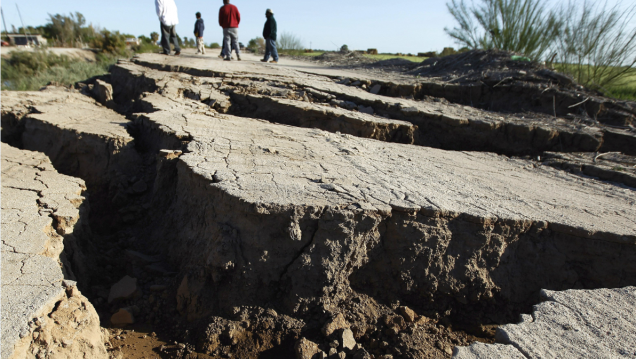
523 26
30 29
154 36
71 30
111 42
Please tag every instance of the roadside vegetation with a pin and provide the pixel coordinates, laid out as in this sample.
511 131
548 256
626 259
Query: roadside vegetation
289 42
31 70
593 43
626 90
596 45
590 41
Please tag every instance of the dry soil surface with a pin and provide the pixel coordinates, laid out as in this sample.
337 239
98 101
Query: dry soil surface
243 209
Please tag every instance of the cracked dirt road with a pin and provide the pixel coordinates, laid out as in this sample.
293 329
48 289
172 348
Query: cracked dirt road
299 210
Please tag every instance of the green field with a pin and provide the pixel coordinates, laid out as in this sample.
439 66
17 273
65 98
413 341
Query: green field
313 54
626 90
622 89
623 93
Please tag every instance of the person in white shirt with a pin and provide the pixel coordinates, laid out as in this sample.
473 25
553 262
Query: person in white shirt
167 13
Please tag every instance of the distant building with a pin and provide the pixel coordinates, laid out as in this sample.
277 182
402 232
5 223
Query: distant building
26 40
132 41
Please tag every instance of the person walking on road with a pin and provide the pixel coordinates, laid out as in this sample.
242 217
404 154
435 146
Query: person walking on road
199 26
167 13
269 33
229 19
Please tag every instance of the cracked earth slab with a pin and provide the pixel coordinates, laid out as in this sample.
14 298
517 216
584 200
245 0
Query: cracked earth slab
131 81
441 124
39 208
609 166
264 101
313 224
491 79
338 170
79 135
314 213
278 99
572 323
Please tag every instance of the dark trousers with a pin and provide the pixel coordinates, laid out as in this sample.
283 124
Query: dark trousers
168 33
223 49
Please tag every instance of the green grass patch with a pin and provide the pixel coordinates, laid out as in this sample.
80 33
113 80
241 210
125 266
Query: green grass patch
30 71
313 54
627 93
299 53
147 47
622 88
625 89
291 52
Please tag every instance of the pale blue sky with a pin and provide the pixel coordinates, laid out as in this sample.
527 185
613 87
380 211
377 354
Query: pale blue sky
390 26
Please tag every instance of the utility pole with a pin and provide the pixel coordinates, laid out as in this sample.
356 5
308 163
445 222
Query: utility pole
4 23
26 31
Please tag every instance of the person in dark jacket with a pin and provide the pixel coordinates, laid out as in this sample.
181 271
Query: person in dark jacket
199 26
269 33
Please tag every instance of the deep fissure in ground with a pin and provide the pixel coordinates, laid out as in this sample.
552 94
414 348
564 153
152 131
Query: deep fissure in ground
130 214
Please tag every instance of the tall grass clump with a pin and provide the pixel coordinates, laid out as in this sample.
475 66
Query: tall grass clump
30 71
290 44
597 46
524 26
588 40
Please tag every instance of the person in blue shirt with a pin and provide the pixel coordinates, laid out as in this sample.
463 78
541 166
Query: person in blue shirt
199 26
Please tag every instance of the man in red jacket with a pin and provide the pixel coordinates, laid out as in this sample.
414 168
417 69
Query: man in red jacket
229 19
